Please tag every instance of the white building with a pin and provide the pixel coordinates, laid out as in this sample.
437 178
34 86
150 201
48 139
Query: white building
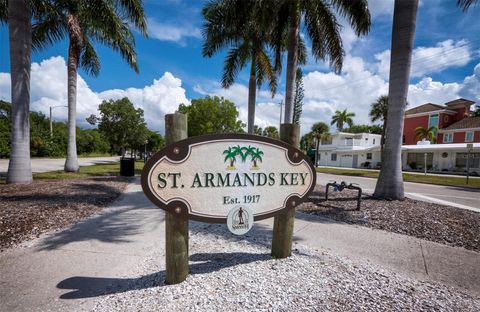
362 150
351 150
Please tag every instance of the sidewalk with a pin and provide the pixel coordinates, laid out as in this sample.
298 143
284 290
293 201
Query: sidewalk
110 245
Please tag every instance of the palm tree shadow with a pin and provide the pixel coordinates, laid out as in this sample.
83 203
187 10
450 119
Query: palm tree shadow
200 263
113 226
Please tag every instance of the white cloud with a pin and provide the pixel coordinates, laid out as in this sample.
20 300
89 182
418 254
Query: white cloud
429 60
471 86
158 99
49 88
172 32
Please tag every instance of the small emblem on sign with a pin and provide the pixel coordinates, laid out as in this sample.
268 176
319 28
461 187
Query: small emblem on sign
240 220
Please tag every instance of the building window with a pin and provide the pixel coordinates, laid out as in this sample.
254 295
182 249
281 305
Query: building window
373 141
461 160
469 136
369 155
447 137
334 157
433 121
417 160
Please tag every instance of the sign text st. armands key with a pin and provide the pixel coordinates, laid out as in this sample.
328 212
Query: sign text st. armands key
203 178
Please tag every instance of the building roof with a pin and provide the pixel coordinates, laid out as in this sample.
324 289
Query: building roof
465 123
429 107
459 101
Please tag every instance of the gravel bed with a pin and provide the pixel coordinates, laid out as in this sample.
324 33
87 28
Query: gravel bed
237 274
28 210
438 223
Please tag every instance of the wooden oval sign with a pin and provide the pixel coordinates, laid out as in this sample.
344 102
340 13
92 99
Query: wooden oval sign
203 178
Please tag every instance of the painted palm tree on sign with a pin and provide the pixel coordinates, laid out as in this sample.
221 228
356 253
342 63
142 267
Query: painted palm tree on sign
429 134
84 22
241 26
230 155
256 156
340 118
390 181
321 27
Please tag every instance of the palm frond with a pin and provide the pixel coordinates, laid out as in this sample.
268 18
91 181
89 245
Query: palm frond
48 30
133 11
234 62
89 60
265 68
357 14
3 11
324 31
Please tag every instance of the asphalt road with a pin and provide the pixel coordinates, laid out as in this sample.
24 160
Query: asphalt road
50 164
467 198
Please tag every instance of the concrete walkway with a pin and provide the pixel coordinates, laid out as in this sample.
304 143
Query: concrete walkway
54 164
67 270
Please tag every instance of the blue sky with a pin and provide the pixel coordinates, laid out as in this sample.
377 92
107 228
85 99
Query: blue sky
445 66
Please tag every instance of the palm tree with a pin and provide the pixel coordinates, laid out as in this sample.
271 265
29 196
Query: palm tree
20 39
241 26
320 131
340 118
299 94
85 22
323 30
429 134
378 112
390 181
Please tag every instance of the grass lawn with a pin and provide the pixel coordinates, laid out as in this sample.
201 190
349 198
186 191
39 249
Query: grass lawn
407 177
111 169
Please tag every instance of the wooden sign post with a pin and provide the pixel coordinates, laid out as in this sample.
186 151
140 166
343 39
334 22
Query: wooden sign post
283 222
176 227
226 178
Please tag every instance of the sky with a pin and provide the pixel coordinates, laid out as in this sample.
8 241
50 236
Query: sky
445 66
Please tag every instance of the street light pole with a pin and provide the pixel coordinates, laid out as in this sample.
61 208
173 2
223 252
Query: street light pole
281 108
145 152
469 146
51 123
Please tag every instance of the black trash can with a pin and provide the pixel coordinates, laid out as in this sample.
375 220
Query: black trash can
127 167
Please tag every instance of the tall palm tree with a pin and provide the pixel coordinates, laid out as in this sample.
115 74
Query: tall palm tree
378 112
390 181
429 134
299 94
320 131
85 22
19 15
241 26
340 118
323 30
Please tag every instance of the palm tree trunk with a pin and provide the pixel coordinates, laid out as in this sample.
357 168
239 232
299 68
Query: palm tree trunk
20 28
382 138
71 163
252 94
390 181
292 58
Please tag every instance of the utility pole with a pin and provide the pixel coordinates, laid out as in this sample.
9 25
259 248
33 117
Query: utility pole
469 146
281 106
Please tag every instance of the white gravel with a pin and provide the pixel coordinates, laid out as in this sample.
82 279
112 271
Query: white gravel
229 273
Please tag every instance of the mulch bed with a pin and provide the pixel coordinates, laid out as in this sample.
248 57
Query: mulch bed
26 211
433 222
